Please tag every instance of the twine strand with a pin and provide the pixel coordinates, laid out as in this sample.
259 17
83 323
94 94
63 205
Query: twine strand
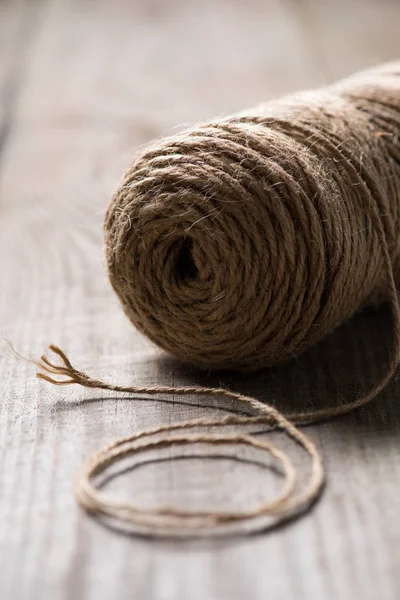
171 518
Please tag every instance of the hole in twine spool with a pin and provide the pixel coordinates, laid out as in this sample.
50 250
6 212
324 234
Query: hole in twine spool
294 212
185 265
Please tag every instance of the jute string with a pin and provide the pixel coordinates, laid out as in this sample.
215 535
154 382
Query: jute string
239 244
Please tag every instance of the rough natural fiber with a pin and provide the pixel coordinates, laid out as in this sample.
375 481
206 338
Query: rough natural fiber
239 244
169 520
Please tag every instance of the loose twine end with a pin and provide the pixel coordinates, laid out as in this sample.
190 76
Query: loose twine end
171 520
66 369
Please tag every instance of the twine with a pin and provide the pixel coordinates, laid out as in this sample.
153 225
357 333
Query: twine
242 242
239 244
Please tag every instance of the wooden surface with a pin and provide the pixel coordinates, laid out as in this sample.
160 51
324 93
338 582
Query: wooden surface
83 84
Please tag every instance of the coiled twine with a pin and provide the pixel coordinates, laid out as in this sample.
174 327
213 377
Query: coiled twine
238 244
241 242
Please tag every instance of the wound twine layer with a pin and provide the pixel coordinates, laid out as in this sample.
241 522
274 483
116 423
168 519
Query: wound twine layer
239 244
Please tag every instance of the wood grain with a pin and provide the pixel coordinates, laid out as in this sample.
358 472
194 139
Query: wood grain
82 85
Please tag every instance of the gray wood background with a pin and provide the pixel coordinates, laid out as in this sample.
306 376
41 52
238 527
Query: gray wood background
83 84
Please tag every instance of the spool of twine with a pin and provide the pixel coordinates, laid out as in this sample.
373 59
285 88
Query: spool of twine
242 242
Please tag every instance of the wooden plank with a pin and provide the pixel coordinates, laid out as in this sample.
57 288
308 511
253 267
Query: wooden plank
18 24
100 80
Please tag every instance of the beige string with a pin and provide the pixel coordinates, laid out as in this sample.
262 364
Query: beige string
239 244
175 518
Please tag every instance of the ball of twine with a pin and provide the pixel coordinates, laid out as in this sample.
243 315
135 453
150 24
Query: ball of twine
239 243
